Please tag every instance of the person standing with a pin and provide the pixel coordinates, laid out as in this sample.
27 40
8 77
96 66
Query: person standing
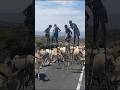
28 12
47 33
68 32
29 16
56 33
75 30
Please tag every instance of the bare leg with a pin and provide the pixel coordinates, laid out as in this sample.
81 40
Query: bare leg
74 37
96 24
78 39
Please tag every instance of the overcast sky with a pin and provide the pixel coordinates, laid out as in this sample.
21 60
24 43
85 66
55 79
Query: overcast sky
19 5
59 12
13 6
72 7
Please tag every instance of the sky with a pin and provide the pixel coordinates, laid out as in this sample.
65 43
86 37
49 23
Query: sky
12 10
13 6
59 12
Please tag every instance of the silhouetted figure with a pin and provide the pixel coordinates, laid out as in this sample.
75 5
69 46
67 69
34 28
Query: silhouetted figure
88 4
69 33
47 33
56 33
86 18
29 13
99 17
29 23
75 30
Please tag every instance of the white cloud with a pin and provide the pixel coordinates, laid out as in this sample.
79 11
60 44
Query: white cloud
63 2
58 11
60 16
43 21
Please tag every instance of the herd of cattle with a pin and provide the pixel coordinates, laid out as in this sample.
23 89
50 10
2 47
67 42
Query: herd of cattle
113 66
45 57
17 73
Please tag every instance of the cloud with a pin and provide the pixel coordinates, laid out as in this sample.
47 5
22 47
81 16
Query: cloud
63 2
58 14
13 6
58 11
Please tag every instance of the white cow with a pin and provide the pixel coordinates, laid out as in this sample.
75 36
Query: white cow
43 57
20 62
56 54
62 49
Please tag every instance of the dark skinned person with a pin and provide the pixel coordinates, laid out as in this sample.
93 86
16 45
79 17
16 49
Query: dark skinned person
47 33
69 33
56 33
76 31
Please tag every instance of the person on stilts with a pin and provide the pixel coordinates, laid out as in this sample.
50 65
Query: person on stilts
76 32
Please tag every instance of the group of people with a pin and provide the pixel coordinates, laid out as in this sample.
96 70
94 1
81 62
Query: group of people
68 32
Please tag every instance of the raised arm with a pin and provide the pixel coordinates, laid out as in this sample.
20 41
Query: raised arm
70 31
59 29
26 10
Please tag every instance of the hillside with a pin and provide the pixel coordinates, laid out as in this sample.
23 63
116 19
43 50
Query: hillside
41 33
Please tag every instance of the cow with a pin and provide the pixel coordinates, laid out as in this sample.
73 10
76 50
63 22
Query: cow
113 63
115 51
38 62
116 71
42 58
19 62
56 55
8 79
23 66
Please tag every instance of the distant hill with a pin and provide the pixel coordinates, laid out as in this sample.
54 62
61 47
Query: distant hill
41 33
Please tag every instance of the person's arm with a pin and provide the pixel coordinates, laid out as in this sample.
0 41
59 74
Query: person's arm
70 31
65 30
89 4
25 11
45 30
77 28
78 31
53 30
70 27
59 29
87 16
